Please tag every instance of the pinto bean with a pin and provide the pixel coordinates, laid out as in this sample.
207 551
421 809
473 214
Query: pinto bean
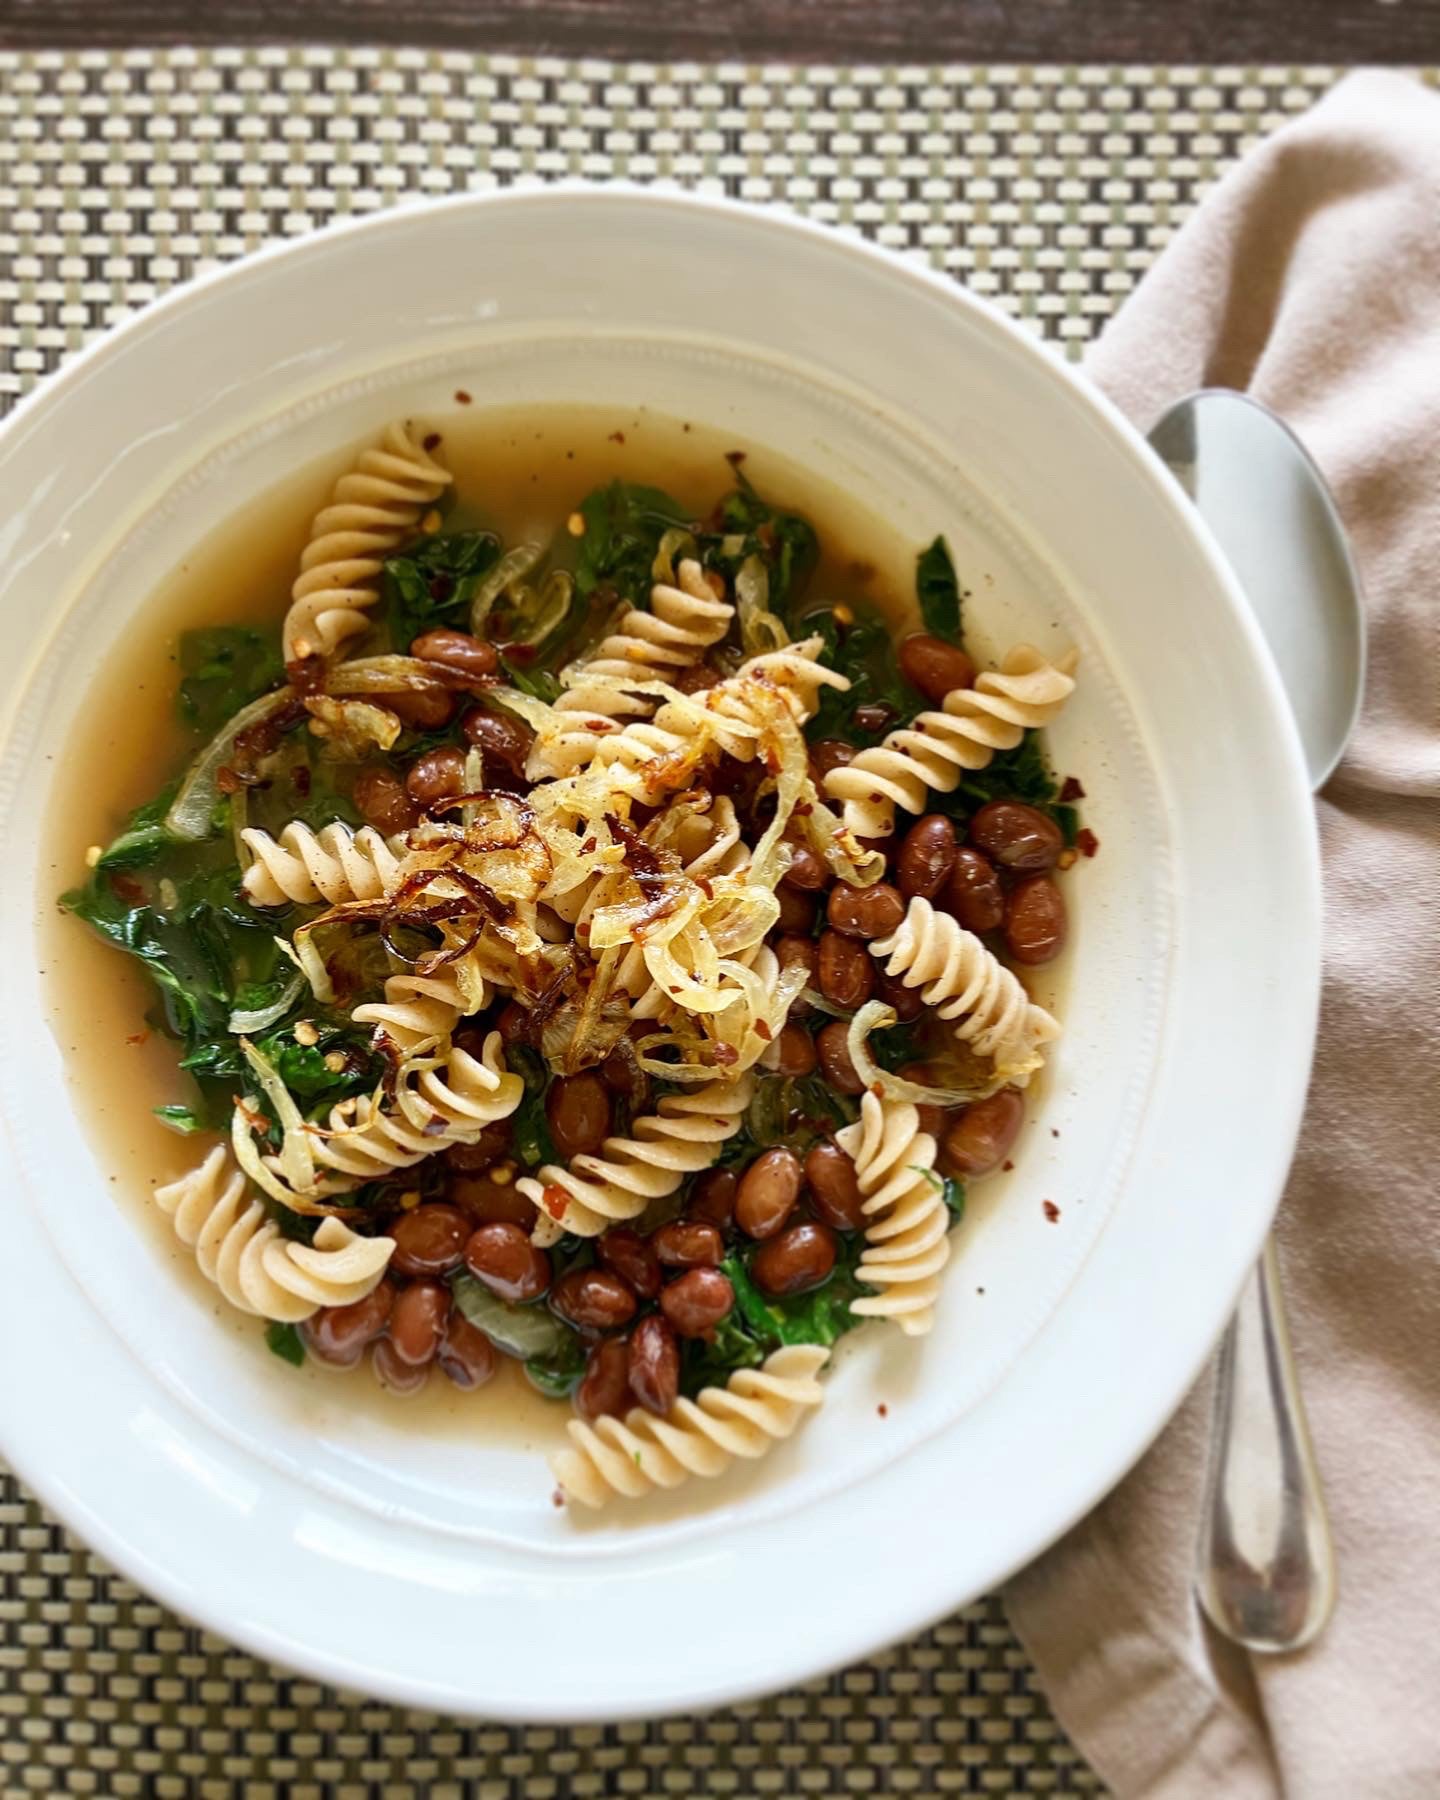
654 1371
713 1197
807 870
1035 921
769 1189
502 1256
926 857
383 801
865 912
834 1186
973 893
430 1240
1019 838
604 1387
794 1052
689 1243
499 736
846 970
627 1255
458 651
339 1334
984 1134
835 1064
799 1259
418 1319
466 1355
698 1301
594 1298
935 667
577 1108
437 775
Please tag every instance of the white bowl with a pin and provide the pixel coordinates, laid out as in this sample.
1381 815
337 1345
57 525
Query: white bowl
438 1572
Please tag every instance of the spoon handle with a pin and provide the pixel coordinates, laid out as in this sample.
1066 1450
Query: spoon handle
1266 1564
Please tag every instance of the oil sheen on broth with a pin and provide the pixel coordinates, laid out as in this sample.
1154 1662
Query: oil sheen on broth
520 473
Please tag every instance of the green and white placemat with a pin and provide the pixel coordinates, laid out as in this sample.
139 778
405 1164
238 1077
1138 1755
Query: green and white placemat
121 174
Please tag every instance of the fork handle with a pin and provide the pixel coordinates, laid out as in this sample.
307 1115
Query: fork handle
1265 1571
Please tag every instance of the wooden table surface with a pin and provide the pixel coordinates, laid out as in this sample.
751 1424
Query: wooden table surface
1066 31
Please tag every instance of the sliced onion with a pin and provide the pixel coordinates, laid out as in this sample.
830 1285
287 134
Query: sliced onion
536 713
193 808
557 591
297 1163
875 1015
676 544
511 566
383 675
262 1018
813 997
239 819
348 728
760 629
305 954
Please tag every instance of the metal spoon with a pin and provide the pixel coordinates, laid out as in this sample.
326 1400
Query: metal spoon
1265 1571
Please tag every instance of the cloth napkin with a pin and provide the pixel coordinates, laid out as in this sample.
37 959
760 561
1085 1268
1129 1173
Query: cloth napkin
1311 278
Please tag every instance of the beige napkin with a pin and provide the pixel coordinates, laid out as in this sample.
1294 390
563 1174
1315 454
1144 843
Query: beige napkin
1311 277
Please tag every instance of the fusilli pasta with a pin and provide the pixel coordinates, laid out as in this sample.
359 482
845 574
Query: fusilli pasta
633 1456
333 864
907 1221
448 1098
681 1136
683 622
1025 693
242 1251
374 509
964 982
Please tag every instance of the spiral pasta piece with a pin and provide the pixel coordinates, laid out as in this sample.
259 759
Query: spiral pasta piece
907 1222
1025 693
633 1456
374 509
447 1099
682 1136
333 864
682 623
243 1252
963 981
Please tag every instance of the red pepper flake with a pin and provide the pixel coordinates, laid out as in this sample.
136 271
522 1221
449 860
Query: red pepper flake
705 887
228 781
300 779
1052 1211
599 724
762 1030
138 1038
883 1410
617 437
803 809
1070 789
582 930
433 441
558 1497
461 397
554 1199
126 888
1006 1167
877 1090
1086 842
1054 1131
587 846
725 1054
735 457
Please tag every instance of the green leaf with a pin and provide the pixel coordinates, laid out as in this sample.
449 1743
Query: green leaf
286 1342
938 591
183 1119
624 524
557 1374
865 654
539 682
819 1317
433 583
225 667
144 837
531 1136
527 1332
785 542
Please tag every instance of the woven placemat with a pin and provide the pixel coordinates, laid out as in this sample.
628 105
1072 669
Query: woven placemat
1049 190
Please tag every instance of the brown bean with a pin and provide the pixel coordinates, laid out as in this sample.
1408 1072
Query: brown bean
422 709
712 1198
933 1118
1019 838
827 754
792 949
578 1110
935 667
835 1063
794 1052
595 1298
622 1076
515 1024
654 1365
502 1256
769 1189
927 855
865 912
417 1320
874 717
466 1355
437 775
430 1240
698 1301
1035 921
973 893
339 1334
604 1387
628 1255
689 1243
488 1202
834 1186
797 911
846 971
906 1003
394 1373
383 802
500 737
807 869
492 1143
983 1134
457 650
799 1259
695 680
